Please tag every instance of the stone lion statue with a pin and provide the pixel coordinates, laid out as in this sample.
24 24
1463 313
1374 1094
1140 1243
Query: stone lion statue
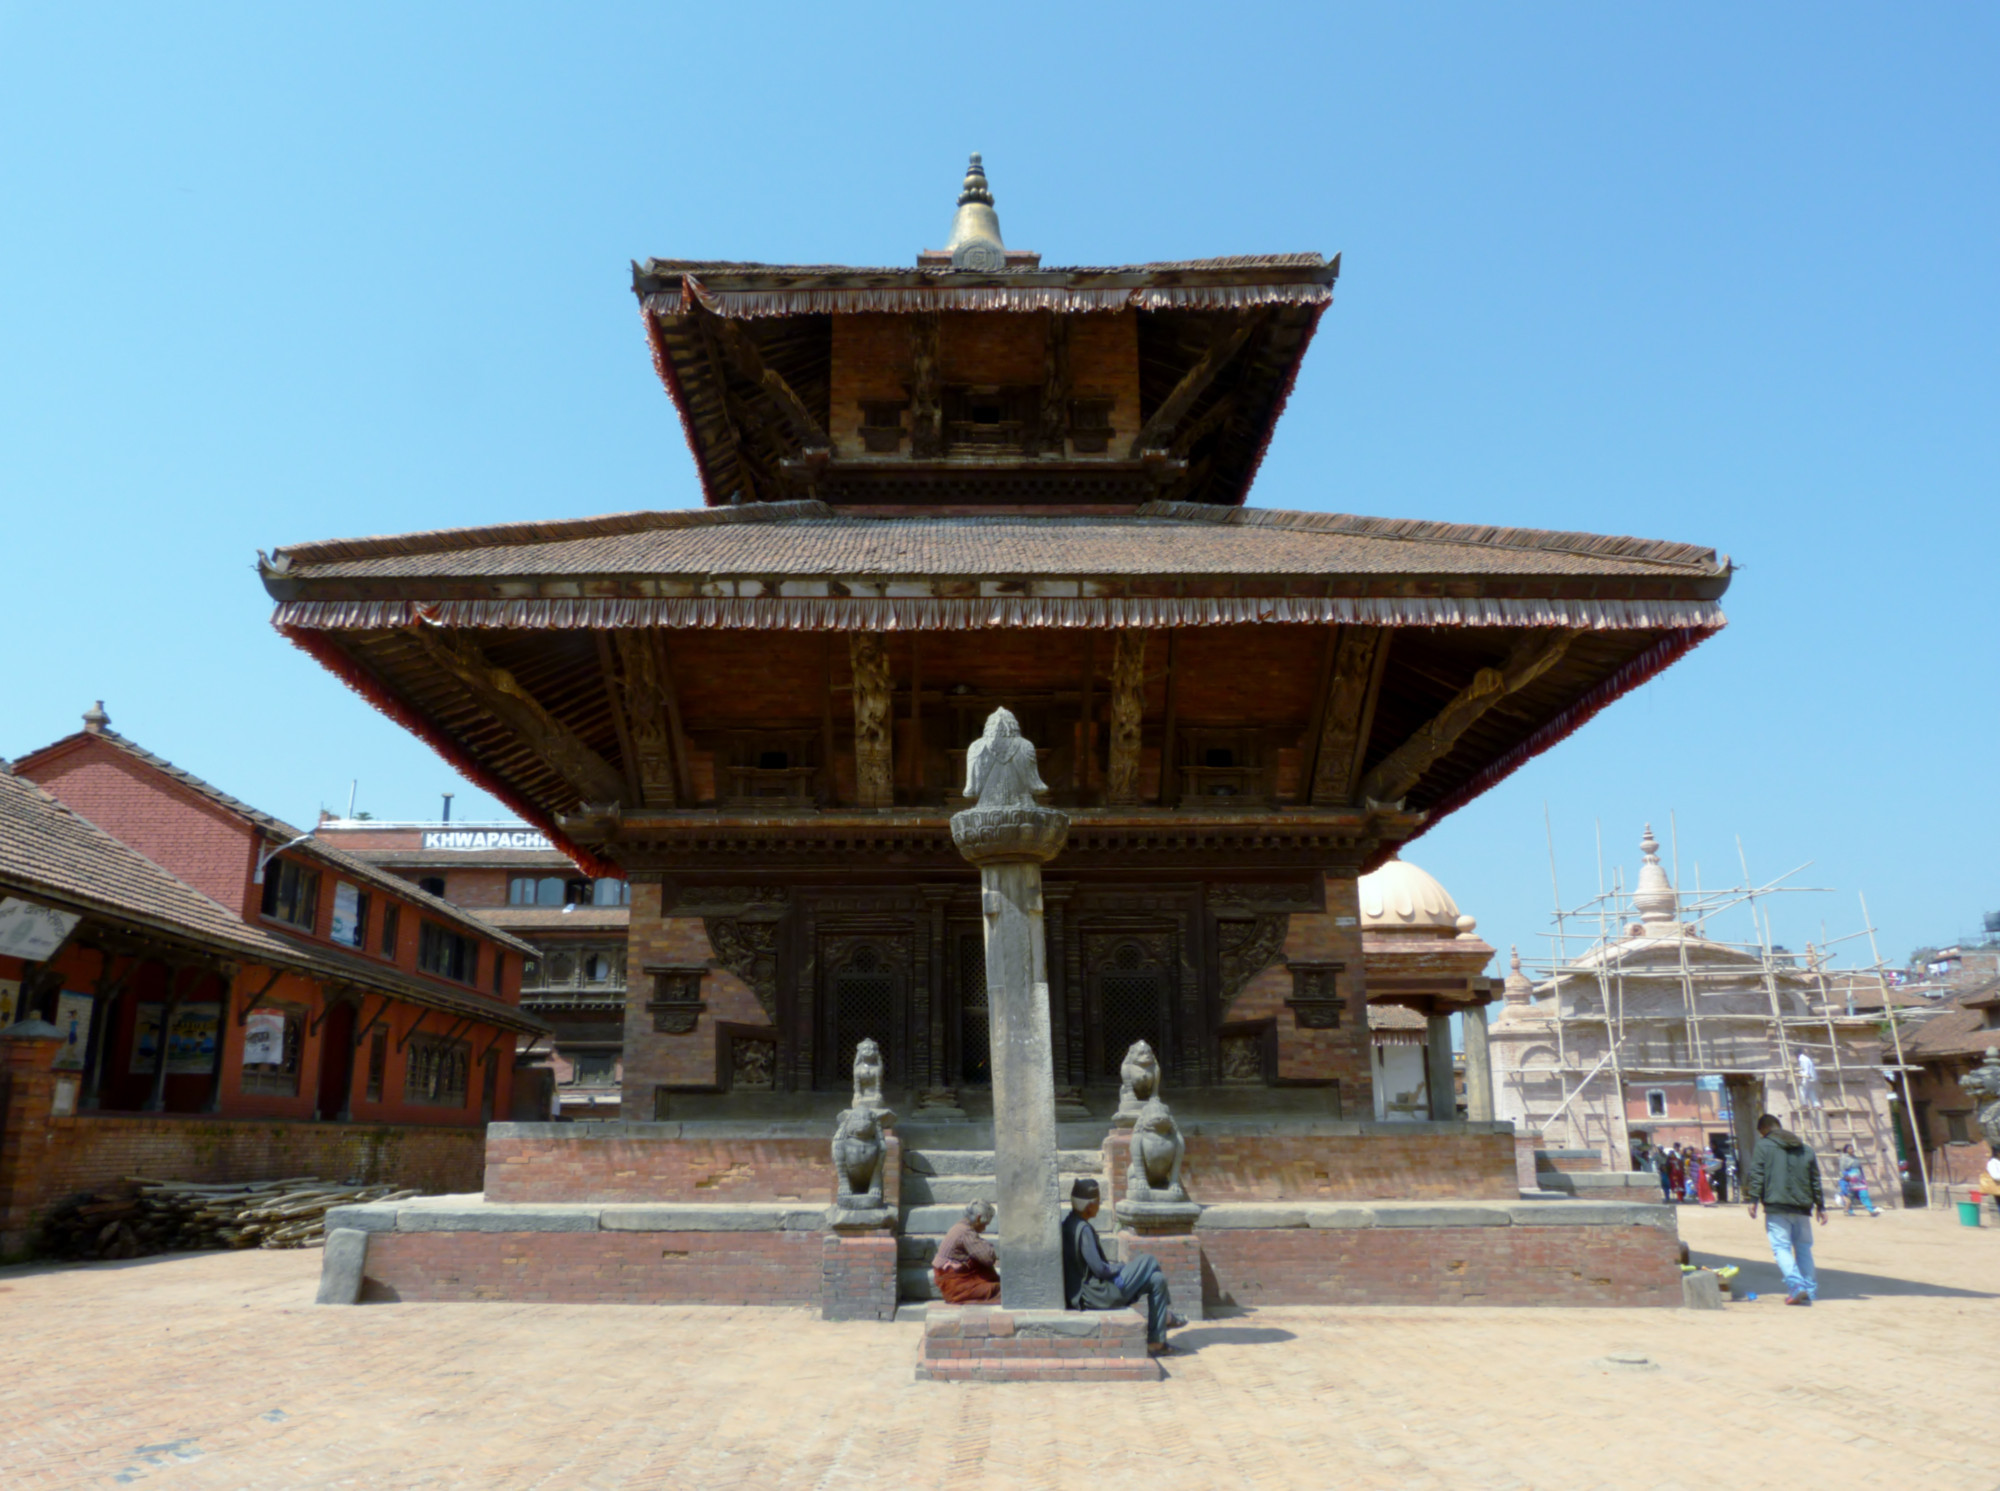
1157 1149
857 1160
1138 1079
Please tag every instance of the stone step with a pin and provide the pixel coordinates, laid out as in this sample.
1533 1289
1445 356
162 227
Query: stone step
980 1161
956 1190
934 1220
914 1282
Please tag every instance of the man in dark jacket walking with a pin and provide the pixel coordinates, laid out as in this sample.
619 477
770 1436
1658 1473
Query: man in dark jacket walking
1784 1180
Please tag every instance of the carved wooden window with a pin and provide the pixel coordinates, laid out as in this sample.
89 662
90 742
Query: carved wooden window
1316 998
864 1005
882 426
1131 1000
392 926
1221 765
769 768
291 893
436 1071
447 954
975 1015
676 1004
1090 426
989 418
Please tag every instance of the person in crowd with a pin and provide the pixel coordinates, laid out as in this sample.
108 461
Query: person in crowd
1676 1175
1704 1181
1854 1183
1090 1283
965 1269
1784 1180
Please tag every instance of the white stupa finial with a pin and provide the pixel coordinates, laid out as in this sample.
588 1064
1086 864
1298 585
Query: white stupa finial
1654 899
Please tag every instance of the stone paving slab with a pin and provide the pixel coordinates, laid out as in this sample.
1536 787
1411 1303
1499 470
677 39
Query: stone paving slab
215 1372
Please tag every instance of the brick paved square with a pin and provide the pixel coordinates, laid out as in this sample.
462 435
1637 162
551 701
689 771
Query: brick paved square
216 1371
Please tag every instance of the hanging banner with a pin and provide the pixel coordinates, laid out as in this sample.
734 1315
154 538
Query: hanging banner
190 1044
264 1039
32 931
73 1020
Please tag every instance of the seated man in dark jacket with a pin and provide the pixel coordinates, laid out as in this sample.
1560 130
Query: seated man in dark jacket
1090 1283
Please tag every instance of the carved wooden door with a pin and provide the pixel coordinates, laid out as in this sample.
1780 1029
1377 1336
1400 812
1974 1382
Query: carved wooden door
1130 976
864 995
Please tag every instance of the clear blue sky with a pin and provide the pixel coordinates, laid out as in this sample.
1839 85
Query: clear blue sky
1718 273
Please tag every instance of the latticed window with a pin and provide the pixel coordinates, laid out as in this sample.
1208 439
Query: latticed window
437 1072
1129 999
864 1004
975 1015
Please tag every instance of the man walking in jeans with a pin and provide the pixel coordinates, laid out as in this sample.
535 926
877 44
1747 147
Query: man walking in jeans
1784 1180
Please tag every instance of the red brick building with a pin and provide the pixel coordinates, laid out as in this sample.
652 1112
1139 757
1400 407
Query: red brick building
511 877
206 963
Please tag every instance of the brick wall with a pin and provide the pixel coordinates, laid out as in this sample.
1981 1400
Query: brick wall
1634 1265
667 1169
653 1058
1376 1166
858 1277
629 1268
170 824
1340 1054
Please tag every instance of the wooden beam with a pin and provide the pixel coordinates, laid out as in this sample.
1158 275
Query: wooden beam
256 999
628 756
1080 776
926 391
565 753
498 1034
1347 713
1158 431
741 350
363 1028
917 713
423 1014
1128 709
732 414
683 767
828 792
1169 763
1404 767
1054 429
874 748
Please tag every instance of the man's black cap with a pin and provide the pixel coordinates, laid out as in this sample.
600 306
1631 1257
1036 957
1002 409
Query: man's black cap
1083 1189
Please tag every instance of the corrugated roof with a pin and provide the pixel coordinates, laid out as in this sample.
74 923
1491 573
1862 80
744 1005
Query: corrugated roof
47 850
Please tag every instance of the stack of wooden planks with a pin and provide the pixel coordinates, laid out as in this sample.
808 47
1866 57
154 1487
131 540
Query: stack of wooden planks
138 1217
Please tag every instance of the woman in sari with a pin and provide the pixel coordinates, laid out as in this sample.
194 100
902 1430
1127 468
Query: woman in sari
1704 1184
963 1269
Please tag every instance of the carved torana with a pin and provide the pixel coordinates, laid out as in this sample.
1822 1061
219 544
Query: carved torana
874 756
1246 948
1128 705
1347 712
748 949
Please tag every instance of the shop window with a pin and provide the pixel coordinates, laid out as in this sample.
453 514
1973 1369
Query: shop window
597 968
378 1064
611 893
273 1038
291 893
392 919
1656 1104
555 890
447 954
593 1069
436 1072
350 915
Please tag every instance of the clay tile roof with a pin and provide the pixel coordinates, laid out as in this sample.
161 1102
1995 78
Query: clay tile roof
1161 539
284 833
1959 1030
49 851
529 919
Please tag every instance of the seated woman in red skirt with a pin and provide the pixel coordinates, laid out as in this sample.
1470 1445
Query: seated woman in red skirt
964 1267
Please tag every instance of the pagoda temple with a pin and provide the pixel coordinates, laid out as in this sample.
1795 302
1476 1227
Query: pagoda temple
934 490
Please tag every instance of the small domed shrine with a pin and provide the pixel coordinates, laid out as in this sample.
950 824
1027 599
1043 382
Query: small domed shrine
1424 963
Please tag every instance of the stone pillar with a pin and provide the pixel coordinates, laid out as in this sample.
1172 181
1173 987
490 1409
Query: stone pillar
28 1052
1009 837
1437 1067
1478 1066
